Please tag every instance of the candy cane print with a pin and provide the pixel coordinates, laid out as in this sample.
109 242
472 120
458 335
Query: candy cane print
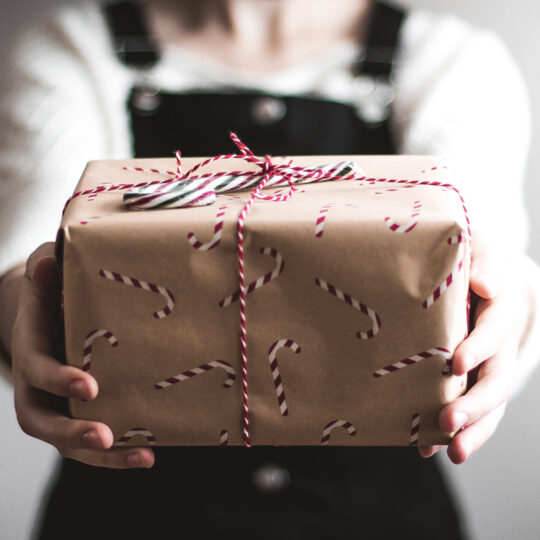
275 370
89 341
415 428
218 230
409 226
263 280
376 320
319 224
85 221
456 239
441 289
224 438
437 351
393 189
134 282
198 371
137 431
334 424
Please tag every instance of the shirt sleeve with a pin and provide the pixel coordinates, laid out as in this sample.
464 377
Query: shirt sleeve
54 119
461 95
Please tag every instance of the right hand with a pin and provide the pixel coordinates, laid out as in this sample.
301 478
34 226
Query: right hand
42 382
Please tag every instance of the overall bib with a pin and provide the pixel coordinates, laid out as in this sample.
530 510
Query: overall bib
262 492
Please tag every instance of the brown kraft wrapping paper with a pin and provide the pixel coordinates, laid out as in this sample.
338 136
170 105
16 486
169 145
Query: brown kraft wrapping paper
343 299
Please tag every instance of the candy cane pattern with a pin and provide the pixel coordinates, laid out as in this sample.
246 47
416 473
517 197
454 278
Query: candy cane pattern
88 342
275 370
456 239
415 428
334 424
218 230
437 351
224 438
262 280
393 189
198 371
137 431
408 227
86 220
376 320
441 289
319 225
134 282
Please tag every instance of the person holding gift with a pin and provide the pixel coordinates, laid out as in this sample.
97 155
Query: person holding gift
294 77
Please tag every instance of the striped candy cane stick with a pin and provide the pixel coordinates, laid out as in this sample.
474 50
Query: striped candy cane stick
224 438
218 230
275 370
198 371
134 282
411 360
456 239
319 224
88 343
415 428
128 435
263 280
334 424
441 289
409 226
375 319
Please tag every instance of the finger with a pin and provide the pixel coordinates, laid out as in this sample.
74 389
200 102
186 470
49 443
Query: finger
45 373
41 415
486 274
428 451
492 388
44 251
469 440
490 333
115 458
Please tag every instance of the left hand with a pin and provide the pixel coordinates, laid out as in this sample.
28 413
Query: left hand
489 353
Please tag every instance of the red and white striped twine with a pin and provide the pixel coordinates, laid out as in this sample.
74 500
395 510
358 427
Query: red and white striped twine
88 343
278 383
415 429
348 299
289 173
411 360
410 225
218 231
456 239
231 376
145 285
333 425
128 435
441 289
263 280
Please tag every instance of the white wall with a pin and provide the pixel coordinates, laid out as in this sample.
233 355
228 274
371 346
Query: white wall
499 487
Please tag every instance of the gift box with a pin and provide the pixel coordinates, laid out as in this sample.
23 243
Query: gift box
356 299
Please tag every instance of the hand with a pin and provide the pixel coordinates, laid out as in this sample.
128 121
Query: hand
42 382
488 354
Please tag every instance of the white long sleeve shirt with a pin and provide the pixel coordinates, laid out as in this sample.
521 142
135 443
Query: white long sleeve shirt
458 94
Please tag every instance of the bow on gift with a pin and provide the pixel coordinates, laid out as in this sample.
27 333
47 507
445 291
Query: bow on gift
186 190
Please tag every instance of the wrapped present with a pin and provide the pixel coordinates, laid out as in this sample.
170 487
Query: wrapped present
355 299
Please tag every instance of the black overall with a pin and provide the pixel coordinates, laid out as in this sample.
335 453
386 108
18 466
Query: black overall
262 492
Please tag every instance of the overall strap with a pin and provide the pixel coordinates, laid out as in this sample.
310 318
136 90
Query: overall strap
382 42
132 41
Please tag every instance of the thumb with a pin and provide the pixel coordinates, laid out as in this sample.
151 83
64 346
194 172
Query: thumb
42 270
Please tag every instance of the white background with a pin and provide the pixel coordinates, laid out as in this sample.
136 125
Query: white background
499 487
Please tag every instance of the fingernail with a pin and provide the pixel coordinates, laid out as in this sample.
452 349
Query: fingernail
460 419
77 388
92 439
134 460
